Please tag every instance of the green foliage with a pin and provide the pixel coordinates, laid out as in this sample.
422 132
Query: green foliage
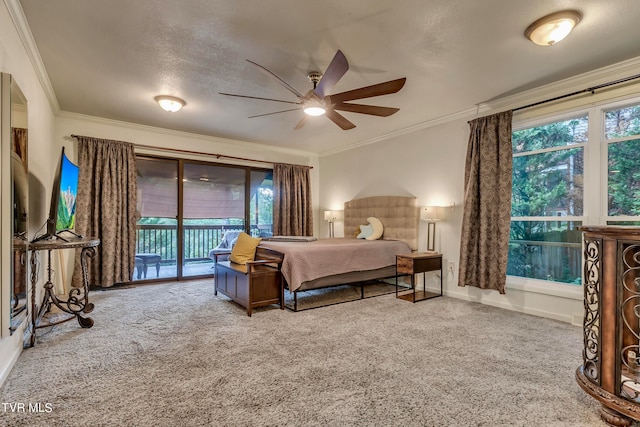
549 183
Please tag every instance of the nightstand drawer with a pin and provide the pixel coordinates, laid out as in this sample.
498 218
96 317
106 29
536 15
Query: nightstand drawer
412 265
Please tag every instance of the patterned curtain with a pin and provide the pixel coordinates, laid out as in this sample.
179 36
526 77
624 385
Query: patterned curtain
106 209
19 145
292 213
487 203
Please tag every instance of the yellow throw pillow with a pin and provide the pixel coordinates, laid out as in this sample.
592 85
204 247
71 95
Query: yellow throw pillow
245 249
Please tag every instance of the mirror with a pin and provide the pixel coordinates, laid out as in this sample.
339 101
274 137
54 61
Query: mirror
19 174
15 196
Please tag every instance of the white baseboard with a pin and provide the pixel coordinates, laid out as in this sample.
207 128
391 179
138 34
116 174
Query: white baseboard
6 368
509 306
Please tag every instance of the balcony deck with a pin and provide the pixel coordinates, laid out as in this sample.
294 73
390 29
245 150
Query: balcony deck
198 240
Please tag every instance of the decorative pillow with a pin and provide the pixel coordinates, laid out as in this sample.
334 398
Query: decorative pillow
357 232
377 227
365 231
245 249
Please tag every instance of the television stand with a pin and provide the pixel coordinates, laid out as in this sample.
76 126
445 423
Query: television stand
77 301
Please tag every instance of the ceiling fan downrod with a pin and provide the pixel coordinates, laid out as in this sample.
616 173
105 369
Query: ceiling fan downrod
315 77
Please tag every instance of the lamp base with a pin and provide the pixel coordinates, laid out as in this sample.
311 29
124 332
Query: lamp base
431 236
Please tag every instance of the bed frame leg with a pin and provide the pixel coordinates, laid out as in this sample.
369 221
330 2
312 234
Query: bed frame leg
361 290
295 301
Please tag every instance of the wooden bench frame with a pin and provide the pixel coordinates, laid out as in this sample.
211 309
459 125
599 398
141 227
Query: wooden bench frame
257 284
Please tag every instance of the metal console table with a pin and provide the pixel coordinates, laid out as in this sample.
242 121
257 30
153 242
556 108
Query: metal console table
77 301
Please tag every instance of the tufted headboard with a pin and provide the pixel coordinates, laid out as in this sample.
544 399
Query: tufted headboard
400 216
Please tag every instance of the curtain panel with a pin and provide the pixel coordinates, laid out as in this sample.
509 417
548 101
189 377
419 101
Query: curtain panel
106 209
292 212
487 203
19 145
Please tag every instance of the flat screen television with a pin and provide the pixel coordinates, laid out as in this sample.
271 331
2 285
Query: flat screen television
62 211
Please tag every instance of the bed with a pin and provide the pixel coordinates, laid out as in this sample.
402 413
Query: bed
319 263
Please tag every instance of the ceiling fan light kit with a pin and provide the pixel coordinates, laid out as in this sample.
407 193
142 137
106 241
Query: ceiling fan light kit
318 101
168 103
314 110
553 28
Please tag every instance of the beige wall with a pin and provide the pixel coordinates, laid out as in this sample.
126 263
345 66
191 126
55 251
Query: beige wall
42 148
429 164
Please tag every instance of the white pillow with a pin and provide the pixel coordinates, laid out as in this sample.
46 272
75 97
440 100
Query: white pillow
376 224
365 231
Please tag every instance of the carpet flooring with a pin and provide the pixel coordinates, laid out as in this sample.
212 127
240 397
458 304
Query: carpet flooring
176 355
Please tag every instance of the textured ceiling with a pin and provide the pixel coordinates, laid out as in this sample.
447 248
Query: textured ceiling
109 58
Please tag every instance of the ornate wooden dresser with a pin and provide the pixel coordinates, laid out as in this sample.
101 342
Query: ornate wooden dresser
611 356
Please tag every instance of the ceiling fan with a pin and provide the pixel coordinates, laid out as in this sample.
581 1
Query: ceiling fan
318 101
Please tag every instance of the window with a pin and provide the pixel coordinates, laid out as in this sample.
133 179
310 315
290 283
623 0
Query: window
622 135
547 200
553 194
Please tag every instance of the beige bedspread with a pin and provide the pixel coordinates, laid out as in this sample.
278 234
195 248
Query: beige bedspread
305 261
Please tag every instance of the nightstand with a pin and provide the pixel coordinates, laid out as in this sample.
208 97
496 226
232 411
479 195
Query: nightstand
412 264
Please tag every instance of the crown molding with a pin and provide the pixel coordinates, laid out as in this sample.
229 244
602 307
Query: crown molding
581 81
233 144
24 32
461 115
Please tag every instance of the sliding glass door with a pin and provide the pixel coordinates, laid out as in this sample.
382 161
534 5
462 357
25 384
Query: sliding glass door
188 208
157 226
213 203
261 203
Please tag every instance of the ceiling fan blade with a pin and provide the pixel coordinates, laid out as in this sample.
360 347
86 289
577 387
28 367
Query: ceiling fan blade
257 97
372 110
282 82
275 112
301 123
368 91
339 119
336 69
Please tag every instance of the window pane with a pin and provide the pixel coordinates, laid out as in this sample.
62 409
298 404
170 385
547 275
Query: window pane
623 186
261 206
623 122
213 203
157 227
633 223
546 250
559 134
548 184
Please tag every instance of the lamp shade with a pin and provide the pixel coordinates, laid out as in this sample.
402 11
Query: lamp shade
328 215
431 213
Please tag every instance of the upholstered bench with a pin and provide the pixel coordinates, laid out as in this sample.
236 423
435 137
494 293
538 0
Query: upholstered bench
257 284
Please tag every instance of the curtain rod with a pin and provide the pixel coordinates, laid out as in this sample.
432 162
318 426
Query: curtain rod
217 156
589 89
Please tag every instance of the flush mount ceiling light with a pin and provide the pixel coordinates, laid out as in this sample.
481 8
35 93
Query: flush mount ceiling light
550 29
170 103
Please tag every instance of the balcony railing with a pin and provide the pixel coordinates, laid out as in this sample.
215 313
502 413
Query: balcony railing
198 240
